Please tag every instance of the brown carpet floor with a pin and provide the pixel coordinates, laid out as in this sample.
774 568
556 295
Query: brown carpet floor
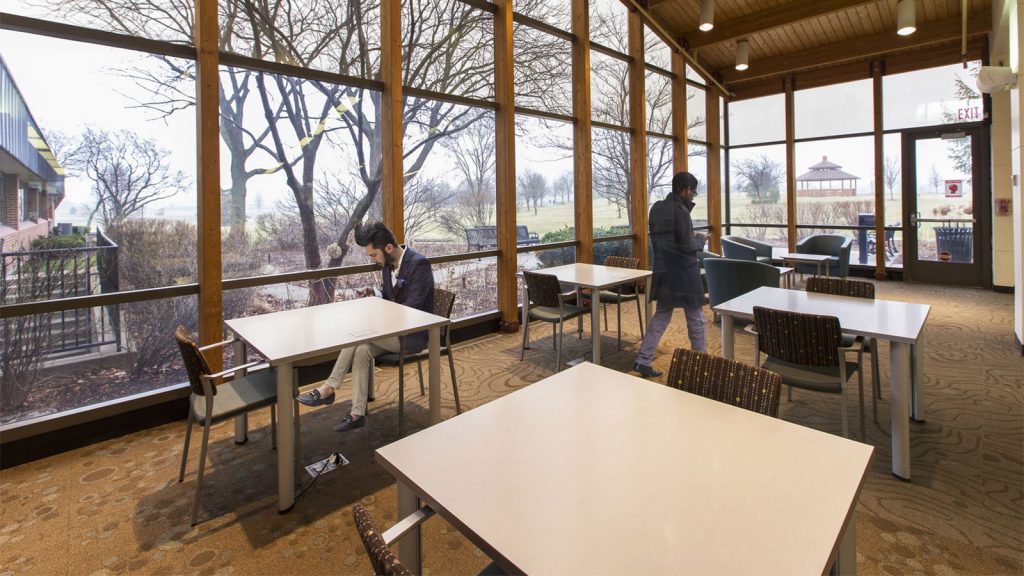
116 507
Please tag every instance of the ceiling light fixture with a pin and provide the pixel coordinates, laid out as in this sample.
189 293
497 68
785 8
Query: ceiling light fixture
707 15
742 55
905 18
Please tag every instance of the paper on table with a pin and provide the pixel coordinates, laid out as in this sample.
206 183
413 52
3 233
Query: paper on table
360 332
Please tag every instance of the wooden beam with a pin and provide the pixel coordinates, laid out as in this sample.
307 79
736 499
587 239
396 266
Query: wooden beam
582 138
764 20
714 185
791 165
210 306
880 244
860 48
505 166
392 165
680 132
638 137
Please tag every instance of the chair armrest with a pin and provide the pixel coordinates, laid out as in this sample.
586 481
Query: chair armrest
228 371
403 526
218 344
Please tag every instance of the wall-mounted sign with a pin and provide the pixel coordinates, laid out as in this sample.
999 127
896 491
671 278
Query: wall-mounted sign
945 256
1004 206
968 114
954 188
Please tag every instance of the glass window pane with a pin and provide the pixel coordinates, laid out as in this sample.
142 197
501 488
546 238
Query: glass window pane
943 95
554 12
757 120
543 71
612 215
336 36
448 47
545 197
602 250
659 168
608 25
697 162
271 221
696 113
609 89
893 206
449 177
656 51
692 75
659 102
757 191
127 146
169 20
473 283
832 110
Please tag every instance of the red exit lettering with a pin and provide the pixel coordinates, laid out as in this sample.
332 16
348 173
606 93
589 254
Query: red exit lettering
972 113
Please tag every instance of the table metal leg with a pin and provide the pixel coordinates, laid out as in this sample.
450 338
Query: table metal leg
647 304
917 379
285 438
242 420
524 298
595 326
899 384
409 545
846 560
435 375
728 338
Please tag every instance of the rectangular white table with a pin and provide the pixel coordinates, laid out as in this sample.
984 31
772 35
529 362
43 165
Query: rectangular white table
596 278
286 337
592 471
793 258
901 323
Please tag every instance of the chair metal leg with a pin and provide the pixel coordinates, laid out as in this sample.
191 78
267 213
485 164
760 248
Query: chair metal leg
401 385
860 386
554 337
184 452
558 347
202 468
640 317
522 348
455 385
842 388
618 319
604 311
419 368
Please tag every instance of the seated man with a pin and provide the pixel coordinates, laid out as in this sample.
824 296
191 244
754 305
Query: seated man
413 286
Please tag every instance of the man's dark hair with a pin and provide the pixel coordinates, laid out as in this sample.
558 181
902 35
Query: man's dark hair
683 180
377 235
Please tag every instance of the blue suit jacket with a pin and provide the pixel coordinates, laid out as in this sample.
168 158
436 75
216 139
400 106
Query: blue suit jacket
413 287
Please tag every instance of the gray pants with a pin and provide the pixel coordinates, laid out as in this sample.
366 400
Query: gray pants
656 326
360 361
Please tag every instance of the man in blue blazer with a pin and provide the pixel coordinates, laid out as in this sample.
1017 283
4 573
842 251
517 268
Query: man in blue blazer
408 280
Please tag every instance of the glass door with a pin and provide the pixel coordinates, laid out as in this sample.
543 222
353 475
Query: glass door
945 199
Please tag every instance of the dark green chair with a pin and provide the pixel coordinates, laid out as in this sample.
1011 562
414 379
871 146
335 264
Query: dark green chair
728 278
834 245
739 248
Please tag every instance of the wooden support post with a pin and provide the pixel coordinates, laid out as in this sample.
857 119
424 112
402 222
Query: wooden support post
392 167
210 305
790 166
638 138
680 132
714 184
582 136
880 241
505 166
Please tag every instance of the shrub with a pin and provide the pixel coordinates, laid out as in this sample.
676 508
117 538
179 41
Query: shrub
58 242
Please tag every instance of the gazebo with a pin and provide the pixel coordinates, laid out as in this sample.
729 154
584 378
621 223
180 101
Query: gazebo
826 179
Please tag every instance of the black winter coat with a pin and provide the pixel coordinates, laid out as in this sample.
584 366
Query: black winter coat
676 268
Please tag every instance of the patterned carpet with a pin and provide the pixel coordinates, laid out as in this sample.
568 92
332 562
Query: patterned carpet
117 507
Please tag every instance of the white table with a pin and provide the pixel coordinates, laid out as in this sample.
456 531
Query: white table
596 278
292 335
786 276
798 258
901 323
592 471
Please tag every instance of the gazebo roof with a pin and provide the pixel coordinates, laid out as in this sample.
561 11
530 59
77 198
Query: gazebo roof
824 171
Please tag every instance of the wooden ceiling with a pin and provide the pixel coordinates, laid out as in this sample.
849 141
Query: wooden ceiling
817 42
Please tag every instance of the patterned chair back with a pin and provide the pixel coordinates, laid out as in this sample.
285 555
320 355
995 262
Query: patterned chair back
805 339
726 381
841 287
384 561
195 362
543 289
444 301
622 262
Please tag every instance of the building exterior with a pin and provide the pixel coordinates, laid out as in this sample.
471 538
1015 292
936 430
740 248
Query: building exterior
31 179
826 179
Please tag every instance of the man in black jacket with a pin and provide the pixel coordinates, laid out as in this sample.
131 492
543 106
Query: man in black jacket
676 282
408 280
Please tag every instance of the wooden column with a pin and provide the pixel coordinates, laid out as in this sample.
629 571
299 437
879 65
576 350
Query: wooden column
880 243
505 166
392 168
680 132
638 138
210 307
790 165
582 137
714 185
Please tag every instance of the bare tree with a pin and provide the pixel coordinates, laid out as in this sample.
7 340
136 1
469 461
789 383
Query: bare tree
563 188
934 179
532 187
892 174
127 172
759 177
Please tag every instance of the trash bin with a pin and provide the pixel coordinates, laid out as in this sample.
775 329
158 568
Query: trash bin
959 242
862 236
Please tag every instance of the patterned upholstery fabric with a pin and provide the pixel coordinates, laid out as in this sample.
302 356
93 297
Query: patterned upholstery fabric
384 561
806 339
195 362
444 301
622 262
543 289
726 381
621 289
841 287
